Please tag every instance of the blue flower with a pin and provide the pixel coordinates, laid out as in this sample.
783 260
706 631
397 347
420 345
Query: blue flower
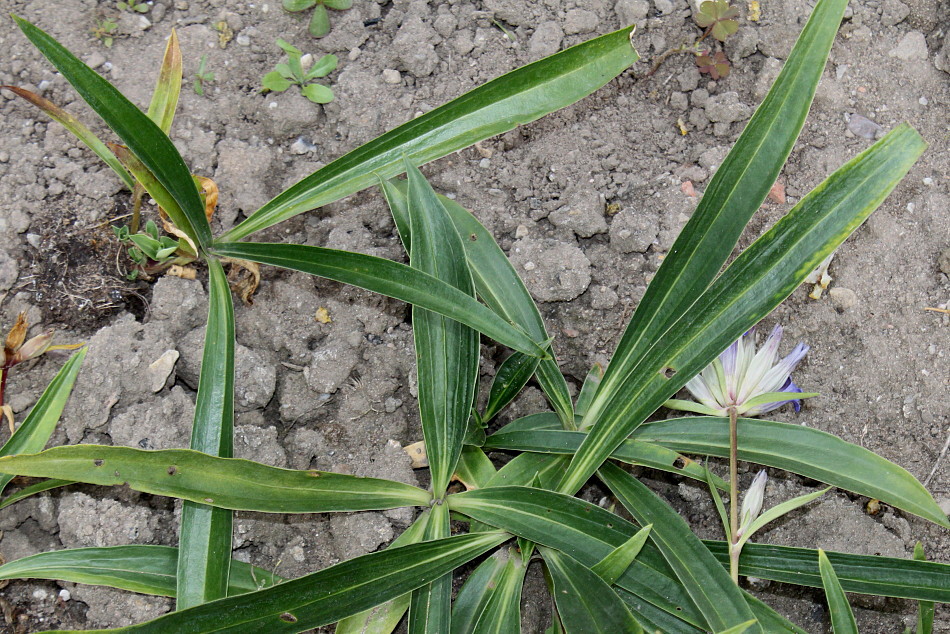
753 382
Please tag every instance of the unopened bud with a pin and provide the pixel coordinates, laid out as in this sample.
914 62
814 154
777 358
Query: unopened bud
752 502
34 347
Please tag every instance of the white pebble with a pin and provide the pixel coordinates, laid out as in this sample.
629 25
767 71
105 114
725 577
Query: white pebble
391 76
928 181
40 594
923 101
64 594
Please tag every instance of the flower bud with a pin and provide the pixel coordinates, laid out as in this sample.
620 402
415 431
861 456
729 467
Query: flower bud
34 347
752 502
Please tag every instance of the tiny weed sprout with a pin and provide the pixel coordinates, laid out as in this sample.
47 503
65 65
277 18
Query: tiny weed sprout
320 18
634 566
104 31
202 76
716 17
300 70
135 7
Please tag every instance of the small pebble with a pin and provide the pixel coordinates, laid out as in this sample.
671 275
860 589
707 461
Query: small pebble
243 40
354 54
4 157
843 298
40 594
484 163
391 76
521 231
923 101
65 595
928 181
863 127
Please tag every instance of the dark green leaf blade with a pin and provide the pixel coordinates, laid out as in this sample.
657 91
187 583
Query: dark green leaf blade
34 432
707 582
204 538
802 450
430 605
145 139
754 284
144 569
446 350
519 97
735 192
328 595
475 594
585 602
224 482
510 378
387 278
611 567
925 609
842 618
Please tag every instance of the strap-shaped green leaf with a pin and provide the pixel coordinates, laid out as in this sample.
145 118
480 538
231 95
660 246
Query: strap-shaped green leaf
474 469
842 618
330 594
387 278
204 536
586 604
144 569
734 193
516 98
802 450
754 284
638 452
34 432
33 489
446 350
510 378
490 600
430 605
224 482
164 102
925 609
864 574
143 137
707 582
611 567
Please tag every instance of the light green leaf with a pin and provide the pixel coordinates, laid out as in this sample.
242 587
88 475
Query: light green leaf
925 609
317 93
78 130
319 21
586 604
204 538
708 583
387 278
611 567
164 102
275 81
33 489
474 469
224 482
842 618
735 192
329 595
144 569
298 5
34 432
496 107
339 5
323 67
778 511
430 605
802 450
589 389
754 284
741 628
143 137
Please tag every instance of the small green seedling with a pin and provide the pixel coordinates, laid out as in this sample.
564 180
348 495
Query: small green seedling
151 251
201 76
320 20
104 31
293 74
717 18
132 5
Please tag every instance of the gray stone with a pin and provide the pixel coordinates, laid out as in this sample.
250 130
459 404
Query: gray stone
9 271
330 366
583 213
552 271
633 232
243 169
942 58
602 298
513 13
86 521
108 607
863 127
392 76
843 298
255 379
943 261
413 47
631 11
304 445
358 534
580 21
726 108
894 12
163 423
665 7
913 46
546 40
259 444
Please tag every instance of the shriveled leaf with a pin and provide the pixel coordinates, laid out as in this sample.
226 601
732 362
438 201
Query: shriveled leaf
164 102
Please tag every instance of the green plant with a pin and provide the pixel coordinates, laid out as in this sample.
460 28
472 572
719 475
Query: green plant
320 20
132 5
716 17
201 76
104 31
606 573
293 73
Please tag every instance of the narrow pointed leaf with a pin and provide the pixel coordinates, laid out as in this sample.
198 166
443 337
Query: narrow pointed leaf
612 567
498 285
446 350
78 130
164 102
383 618
589 389
510 379
925 609
802 450
519 97
473 597
145 139
387 278
842 618
204 537
33 489
329 595
741 628
474 469
772 514
707 582
586 604
144 569
224 482
754 284
34 432
863 574
430 606
502 614
637 452
735 192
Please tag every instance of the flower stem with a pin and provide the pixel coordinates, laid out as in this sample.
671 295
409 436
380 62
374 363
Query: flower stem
733 495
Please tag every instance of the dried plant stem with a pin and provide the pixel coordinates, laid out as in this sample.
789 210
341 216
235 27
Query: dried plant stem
676 51
733 495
